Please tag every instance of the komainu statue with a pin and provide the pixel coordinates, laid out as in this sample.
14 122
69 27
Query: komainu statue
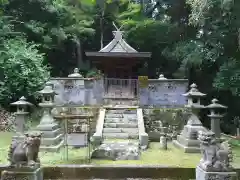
25 152
216 156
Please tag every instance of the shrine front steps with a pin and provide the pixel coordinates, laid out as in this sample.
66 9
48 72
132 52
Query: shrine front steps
120 124
120 136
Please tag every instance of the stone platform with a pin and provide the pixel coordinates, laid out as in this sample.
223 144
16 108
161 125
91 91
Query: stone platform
22 174
188 145
203 175
122 150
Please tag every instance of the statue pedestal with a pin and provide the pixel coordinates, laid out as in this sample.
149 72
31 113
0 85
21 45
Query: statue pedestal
203 175
22 173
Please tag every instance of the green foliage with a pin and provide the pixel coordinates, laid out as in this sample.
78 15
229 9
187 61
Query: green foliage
228 77
51 22
164 117
22 68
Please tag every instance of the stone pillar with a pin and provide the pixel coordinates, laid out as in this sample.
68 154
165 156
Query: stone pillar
216 159
215 117
187 140
52 138
163 142
21 114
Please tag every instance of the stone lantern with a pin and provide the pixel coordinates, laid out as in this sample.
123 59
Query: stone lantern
188 139
21 114
215 115
75 73
194 97
52 137
161 77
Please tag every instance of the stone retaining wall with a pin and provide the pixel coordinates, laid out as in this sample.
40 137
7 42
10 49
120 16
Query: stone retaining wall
116 172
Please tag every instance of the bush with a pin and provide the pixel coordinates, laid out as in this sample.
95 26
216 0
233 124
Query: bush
6 121
22 70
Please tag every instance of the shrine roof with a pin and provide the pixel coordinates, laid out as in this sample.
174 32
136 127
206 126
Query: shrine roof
118 44
118 47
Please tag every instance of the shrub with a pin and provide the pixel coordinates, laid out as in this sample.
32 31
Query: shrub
22 70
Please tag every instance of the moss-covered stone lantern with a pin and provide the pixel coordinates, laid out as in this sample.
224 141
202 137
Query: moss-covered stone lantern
216 114
21 114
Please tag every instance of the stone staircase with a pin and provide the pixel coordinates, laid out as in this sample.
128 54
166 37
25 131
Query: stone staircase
120 135
120 124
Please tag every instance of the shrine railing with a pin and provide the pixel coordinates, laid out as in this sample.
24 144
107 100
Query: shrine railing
120 88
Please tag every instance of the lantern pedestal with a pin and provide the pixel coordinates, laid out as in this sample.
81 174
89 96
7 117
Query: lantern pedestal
188 139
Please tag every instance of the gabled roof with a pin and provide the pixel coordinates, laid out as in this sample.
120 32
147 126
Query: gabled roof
118 47
118 44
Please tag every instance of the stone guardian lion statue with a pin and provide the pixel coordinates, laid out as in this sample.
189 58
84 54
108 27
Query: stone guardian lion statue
25 152
216 156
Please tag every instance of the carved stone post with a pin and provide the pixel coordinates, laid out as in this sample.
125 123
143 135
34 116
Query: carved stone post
163 142
215 117
21 114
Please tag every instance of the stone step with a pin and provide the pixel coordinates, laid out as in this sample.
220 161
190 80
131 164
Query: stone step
120 125
120 135
132 118
124 111
120 130
112 120
114 115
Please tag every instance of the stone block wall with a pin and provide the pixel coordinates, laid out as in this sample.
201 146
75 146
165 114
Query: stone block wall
163 93
77 91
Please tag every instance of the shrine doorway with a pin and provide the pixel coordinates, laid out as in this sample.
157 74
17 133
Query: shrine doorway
120 88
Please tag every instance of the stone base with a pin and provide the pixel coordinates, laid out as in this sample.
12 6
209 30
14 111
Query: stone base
186 149
52 138
203 175
22 173
117 151
52 148
47 127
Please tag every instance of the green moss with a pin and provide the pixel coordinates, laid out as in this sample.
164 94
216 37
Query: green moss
155 156
152 156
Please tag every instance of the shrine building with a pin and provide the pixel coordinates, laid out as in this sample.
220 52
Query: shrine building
118 59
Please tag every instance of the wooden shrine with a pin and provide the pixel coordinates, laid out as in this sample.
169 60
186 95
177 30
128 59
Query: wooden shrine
118 59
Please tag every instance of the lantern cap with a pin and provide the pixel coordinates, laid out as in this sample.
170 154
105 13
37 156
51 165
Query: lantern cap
47 90
22 101
161 77
194 92
75 73
216 105
48 83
